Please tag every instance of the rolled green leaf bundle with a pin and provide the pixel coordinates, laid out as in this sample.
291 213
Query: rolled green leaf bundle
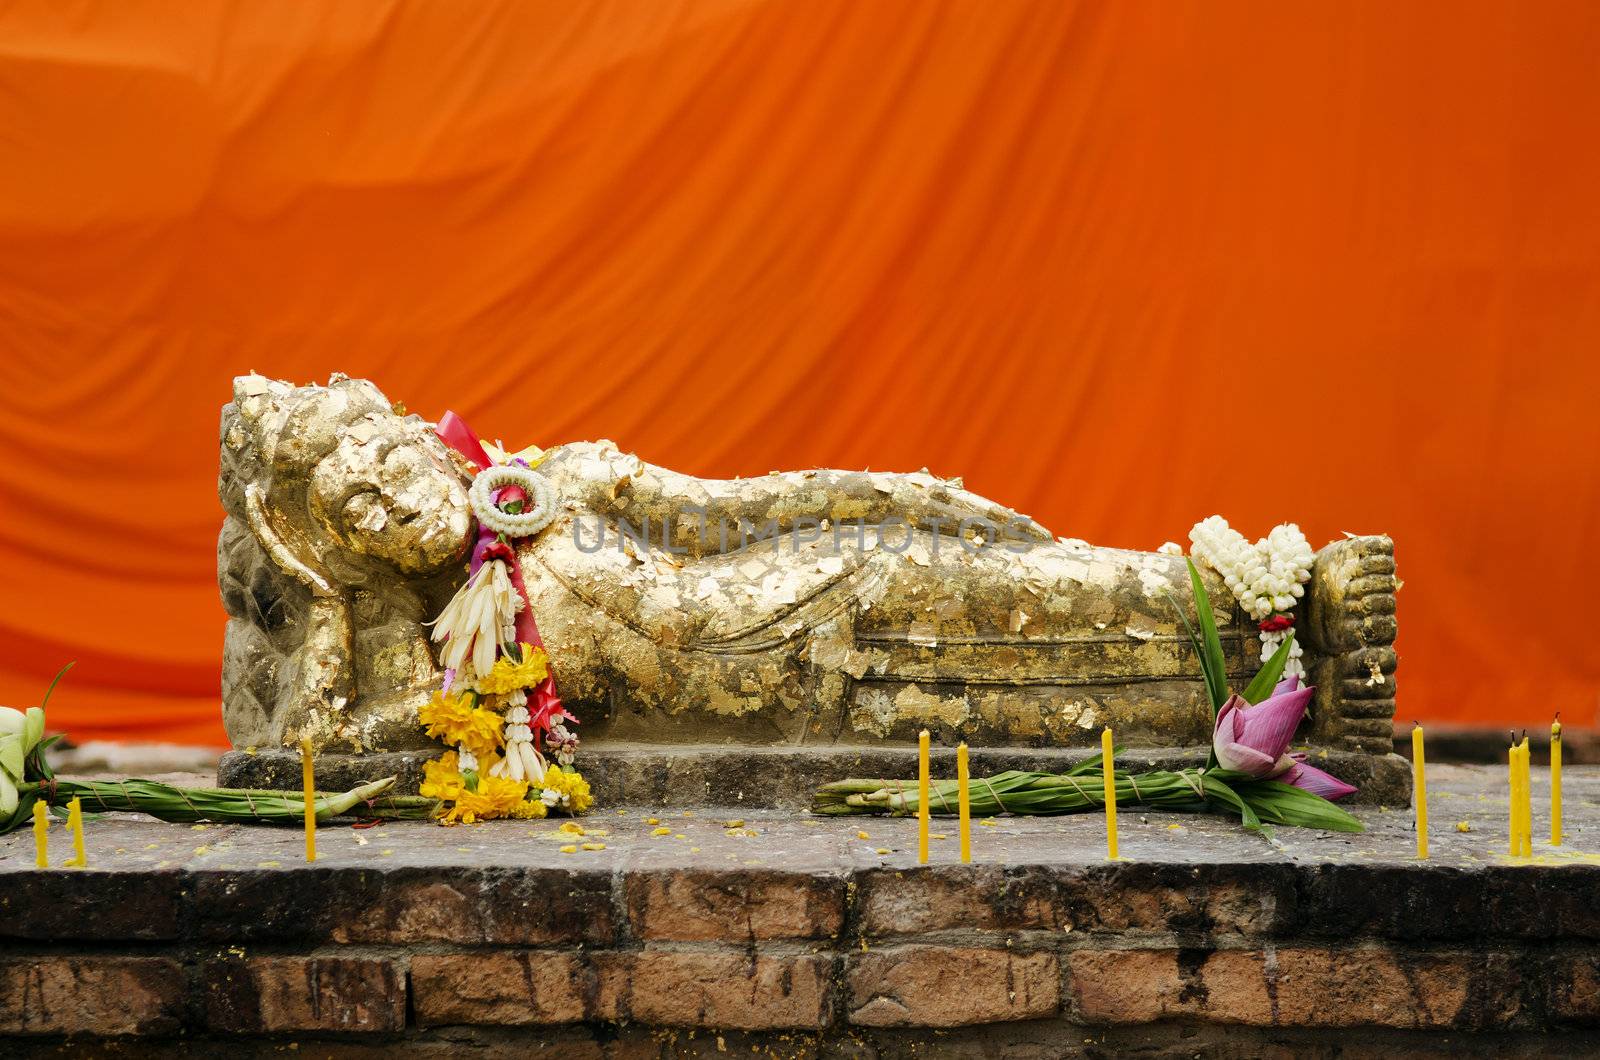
1033 794
185 805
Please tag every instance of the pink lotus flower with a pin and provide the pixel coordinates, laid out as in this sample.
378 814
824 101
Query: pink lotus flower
1255 740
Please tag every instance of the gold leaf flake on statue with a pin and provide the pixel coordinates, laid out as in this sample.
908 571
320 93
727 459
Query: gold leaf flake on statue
1017 619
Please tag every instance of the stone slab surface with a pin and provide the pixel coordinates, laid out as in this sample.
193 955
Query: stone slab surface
796 935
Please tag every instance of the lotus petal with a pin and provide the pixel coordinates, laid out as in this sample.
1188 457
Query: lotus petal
1269 726
33 729
11 755
1245 759
1310 778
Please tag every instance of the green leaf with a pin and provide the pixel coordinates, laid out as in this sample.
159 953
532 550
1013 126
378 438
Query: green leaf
1211 660
1217 789
1188 630
59 675
1283 803
1270 673
1092 763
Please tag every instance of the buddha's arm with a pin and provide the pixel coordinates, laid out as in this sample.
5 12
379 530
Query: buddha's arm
322 670
621 486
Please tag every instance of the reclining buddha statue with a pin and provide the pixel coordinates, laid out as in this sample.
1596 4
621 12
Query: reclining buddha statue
802 609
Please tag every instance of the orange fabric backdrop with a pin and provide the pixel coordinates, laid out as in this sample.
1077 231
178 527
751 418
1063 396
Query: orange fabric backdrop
1121 265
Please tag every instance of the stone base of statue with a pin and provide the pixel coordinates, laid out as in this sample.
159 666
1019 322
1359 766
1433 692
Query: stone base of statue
776 778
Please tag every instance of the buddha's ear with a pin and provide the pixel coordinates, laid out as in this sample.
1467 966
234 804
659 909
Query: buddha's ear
298 562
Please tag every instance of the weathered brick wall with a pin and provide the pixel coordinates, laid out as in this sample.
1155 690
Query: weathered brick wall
350 955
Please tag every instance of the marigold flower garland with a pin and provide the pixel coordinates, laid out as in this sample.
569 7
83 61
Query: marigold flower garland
499 698
1267 578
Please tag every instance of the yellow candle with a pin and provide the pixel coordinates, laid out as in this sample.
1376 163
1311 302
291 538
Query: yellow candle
41 835
1527 799
306 772
75 822
963 795
1515 846
1521 825
1555 782
1108 769
1420 786
922 797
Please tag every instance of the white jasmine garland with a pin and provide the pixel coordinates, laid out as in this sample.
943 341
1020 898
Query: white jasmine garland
537 514
1267 577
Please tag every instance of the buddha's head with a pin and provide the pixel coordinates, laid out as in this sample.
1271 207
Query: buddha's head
345 476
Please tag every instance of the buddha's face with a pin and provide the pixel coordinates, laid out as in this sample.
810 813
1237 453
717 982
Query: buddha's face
394 495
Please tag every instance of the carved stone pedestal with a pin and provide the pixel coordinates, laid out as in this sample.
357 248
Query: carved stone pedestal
780 778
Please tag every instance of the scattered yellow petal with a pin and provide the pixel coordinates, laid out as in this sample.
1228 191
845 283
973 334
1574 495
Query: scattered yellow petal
594 846
986 821
572 828
662 831
651 820
569 849
202 850
151 846
862 835
1463 826
694 850
198 827
386 853
680 835
885 850
941 835
735 823
267 864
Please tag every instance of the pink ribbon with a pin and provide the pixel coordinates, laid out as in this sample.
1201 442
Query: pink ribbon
544 705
